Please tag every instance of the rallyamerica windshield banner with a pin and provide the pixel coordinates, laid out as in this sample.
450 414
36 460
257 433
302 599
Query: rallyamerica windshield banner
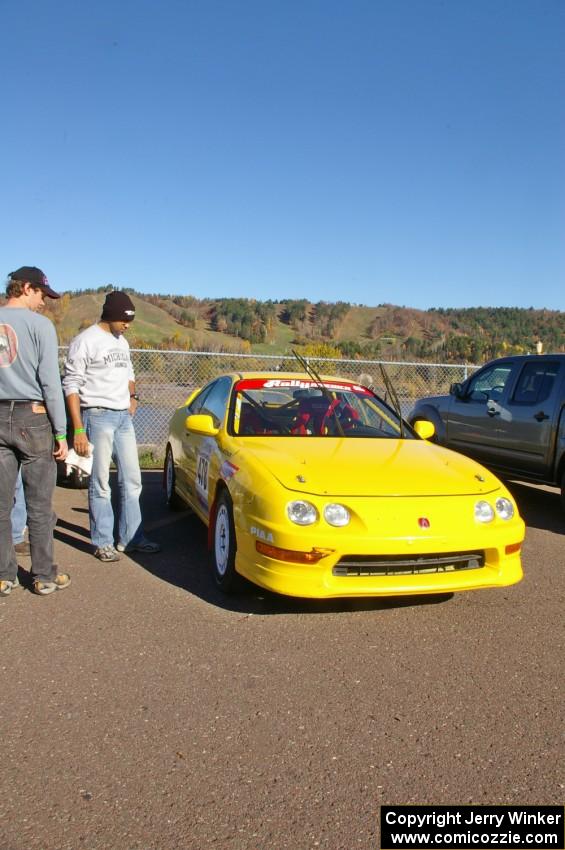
478 827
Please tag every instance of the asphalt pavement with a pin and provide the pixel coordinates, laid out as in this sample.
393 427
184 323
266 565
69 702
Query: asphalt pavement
142 710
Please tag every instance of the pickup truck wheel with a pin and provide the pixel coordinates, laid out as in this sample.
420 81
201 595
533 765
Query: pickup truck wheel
563 488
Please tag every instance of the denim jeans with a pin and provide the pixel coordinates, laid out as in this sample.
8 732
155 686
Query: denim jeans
26 440
19 512
112 434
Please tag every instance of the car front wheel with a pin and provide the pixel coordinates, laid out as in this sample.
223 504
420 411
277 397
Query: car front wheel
224 546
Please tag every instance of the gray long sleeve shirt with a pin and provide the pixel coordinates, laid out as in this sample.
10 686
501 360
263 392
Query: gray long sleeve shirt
99 368
29 364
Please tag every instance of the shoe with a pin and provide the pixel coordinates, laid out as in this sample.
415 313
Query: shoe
143 545
7 586
106 554
22 548
44 588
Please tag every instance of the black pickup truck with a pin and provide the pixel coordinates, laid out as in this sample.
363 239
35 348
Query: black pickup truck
510 416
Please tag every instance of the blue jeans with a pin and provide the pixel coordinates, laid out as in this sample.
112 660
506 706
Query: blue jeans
113 437
19 512
26 441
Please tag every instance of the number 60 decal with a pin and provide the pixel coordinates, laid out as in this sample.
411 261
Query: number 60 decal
202 475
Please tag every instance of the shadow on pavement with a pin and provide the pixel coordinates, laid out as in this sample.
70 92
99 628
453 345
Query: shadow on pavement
71 526
540 506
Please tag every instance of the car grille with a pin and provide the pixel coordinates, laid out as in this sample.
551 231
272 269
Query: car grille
400 565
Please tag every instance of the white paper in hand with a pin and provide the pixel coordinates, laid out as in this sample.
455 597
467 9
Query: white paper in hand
75 461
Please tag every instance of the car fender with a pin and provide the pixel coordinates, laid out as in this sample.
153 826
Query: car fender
560 452
221 486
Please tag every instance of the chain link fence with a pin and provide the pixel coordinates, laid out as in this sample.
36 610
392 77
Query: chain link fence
164 379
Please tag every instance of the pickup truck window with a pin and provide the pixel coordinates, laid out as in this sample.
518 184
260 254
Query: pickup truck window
518 429
489 383
535 383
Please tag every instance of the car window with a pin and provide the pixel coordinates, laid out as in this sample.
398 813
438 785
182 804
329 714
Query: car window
272 407
195 405
535 383
489 383
216 400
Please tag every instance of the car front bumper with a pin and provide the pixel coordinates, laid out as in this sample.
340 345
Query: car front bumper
432 560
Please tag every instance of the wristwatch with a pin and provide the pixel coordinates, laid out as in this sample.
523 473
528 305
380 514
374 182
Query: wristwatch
135 396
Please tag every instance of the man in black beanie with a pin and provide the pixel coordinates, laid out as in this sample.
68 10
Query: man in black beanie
99 384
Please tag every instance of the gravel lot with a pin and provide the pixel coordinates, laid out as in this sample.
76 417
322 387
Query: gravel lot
148 712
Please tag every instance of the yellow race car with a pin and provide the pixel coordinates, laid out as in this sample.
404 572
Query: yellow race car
315 487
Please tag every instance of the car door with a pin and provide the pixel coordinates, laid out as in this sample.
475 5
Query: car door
202 455
475 416
184 458
526 443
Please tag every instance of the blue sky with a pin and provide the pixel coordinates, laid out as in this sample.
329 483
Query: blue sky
401 151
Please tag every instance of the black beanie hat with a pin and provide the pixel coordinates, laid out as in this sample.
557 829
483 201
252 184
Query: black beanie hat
118 307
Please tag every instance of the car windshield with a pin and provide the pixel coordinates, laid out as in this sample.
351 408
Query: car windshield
301 408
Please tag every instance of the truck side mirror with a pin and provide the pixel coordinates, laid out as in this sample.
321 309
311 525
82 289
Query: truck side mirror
456 390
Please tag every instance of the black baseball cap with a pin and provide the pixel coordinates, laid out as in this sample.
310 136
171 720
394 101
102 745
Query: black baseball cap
33 275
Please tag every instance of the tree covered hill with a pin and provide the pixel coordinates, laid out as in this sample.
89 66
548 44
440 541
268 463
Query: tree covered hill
388 331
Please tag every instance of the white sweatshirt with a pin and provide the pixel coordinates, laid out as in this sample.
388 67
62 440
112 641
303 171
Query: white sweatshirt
99 368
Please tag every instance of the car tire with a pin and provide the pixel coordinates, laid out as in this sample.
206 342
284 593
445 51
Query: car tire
563 488
76 479
79 480
174 501
224 545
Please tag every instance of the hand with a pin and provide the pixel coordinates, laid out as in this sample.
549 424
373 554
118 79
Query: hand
132 406
80 444
61 450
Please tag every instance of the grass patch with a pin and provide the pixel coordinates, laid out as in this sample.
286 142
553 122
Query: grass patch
149 459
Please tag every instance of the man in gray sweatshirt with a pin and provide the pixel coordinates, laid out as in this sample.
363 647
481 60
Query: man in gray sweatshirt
33 427
99 384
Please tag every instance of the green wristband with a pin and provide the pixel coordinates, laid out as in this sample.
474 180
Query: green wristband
60 437
80 430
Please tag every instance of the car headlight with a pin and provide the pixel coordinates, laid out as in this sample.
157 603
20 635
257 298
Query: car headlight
484 512
337 515
504 508
302 513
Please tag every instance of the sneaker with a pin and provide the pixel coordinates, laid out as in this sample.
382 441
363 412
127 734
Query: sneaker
143 545
44 588
22 548
7 586
106 554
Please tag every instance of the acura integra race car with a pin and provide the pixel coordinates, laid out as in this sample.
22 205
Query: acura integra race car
316 487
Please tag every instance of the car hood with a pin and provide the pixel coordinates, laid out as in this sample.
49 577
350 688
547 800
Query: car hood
357 467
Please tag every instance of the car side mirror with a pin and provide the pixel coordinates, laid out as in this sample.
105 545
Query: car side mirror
201 423
424 429
456 389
